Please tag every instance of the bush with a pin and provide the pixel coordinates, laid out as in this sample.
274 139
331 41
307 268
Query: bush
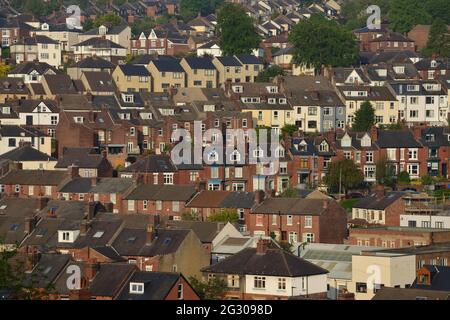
403 177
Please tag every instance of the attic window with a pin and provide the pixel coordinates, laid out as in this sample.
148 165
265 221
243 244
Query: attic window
131 239
167 241
14 227
3 207
136 288
429 137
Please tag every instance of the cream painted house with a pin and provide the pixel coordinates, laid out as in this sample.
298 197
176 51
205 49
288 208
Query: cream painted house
373 270
41 48
200 72
120 35
132 78
66 37
30 158
381 98
166 74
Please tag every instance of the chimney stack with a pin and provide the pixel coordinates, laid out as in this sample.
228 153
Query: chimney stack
262 246
74 171
42 202
259 196
91 206
373 134
94 181
380 191
29 225
84 226
91 268
150 234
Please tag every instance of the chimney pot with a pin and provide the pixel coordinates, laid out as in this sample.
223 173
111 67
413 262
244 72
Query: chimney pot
262 246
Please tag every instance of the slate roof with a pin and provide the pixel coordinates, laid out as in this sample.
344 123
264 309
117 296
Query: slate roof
99 43
26 153
134 70
152 163
387 293
157 285
374 202
274 262
27 67
94 62
81 157
99 81
248 59
168 65
229 61
110 278
34 177
47 269
200 63
290 206
133 242
206 231
396 139
162 192
440 279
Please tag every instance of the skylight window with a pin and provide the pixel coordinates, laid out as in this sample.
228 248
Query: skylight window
99 234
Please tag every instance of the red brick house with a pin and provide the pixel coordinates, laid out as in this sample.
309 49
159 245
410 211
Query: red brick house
166 200
315 218
396 237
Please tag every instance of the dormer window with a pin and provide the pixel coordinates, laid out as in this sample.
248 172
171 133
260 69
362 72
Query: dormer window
235 156
272 89
6 110
323 147
238 89
258 153
128 98
429 137
136 288
282 101
279 152
433 63
366 141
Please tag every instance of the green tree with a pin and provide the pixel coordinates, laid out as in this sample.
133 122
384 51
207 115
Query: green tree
344 172
190 8
364 117
426 180
438 40
141 25
270 72
384 172
16 282
438 9
403 177
208 290
405 14
4 69
225 215
236 30
289 193
109 19
319 42
289 129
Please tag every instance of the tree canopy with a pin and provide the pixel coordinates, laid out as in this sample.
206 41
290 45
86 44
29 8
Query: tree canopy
344 172
384 172
109 19
438 40
364 117
270 72
208 290
321 42
236 30
190 8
